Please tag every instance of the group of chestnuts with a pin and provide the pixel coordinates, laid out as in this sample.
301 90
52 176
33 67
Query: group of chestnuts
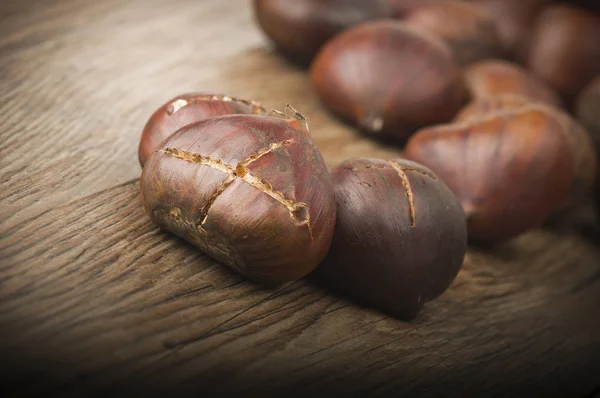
483 94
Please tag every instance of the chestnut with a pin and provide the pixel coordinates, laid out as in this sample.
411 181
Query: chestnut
581 142
497 77
300 28
470 32
186 109
400 236
484 106
513 19
564 49
587 110
388 78
251 191
510 170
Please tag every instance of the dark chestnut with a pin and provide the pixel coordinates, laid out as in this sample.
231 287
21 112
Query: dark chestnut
470 32
564 49
511 170
400 235
514 19
587 110
388 79
300 28
249 190
186 109
497 77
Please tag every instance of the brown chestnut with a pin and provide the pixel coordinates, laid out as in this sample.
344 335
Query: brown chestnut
249 190
388 79
513 19
300 28
400 235
484 106
470 32
564 49
587 110
186 109
581 142
511 170
496 77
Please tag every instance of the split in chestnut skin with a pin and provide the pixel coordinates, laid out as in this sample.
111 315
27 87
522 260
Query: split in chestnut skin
186 109
400 235
510 169
249 190
388 79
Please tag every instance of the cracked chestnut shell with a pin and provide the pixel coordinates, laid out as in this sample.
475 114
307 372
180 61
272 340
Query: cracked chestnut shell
491 78
300 28
388 79
510 169
470 32
186 109
250 191
564 49
400 236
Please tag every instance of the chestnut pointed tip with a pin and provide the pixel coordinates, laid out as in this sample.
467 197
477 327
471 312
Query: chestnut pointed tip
372 124
470 211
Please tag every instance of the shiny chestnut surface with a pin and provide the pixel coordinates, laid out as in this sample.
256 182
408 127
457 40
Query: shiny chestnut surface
400 236
249 190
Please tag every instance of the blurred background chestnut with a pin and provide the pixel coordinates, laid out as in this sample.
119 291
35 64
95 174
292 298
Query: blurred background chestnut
587 109
484 106
400 236
497 77
514 19
388 78
470 31
511 170
300 27
564 49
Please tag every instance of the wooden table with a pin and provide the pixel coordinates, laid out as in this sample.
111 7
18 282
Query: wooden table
93 297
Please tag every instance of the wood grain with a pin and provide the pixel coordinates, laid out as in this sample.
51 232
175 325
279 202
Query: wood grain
95 299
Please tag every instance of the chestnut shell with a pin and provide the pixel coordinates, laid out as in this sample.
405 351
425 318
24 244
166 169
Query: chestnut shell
514 20
564 49
248 190
485 106
587 110
400 236
470 32
388 79
186 109
300 28
510 170
497 77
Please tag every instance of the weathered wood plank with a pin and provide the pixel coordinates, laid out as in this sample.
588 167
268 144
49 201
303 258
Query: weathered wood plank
97 288
94 298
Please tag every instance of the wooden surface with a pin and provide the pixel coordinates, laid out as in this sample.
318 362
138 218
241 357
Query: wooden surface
93 298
